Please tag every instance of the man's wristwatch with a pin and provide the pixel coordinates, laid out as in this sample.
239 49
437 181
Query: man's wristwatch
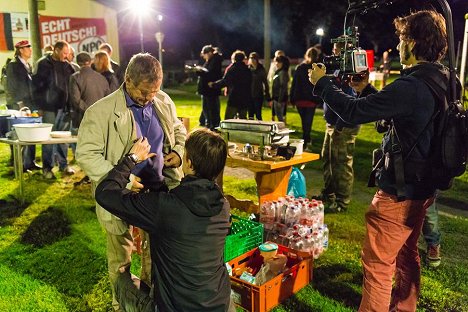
133 157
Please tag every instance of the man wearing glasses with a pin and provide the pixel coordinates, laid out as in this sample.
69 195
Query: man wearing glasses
108 130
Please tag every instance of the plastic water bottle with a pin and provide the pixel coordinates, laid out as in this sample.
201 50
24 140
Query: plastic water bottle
296 242
325 237
308 243
307 216
321 215
318 244
267 215
292 215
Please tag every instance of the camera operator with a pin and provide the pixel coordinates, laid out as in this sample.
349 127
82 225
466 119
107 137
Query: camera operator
395 216
337 150
430 228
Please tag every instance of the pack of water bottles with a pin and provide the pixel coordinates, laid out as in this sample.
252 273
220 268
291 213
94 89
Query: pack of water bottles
296 223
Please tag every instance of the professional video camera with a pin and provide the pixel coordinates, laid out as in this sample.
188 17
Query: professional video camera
352 60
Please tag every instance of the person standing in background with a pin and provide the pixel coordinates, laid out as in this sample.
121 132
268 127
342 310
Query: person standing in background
260 88
71 59
51 92
271 74
302 95
116 68
210 72
338 151
19 86
238 80
279 93
103 66
86 87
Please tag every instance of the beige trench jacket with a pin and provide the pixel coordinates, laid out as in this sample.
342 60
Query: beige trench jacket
106 134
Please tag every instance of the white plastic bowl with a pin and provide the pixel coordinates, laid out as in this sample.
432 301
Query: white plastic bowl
33 132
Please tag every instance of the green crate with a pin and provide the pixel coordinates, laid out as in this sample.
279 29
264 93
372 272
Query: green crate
245 236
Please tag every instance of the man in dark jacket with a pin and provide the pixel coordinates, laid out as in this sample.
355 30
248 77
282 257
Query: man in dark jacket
51 91
238 79
190 224
86 87
210 72
338 151
19 86
260 88
395 216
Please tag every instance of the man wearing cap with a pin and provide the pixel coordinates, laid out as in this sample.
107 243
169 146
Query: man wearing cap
51 92
210 72
86 87
19 86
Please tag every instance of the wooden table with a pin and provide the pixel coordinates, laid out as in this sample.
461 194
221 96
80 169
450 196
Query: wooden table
18 156
272 177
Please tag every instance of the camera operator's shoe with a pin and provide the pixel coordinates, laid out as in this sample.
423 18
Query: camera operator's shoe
433 256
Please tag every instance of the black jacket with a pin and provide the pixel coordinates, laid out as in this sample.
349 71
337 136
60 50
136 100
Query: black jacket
214 72
238 79
51 84
260 83
188 226
330 116
411 105
279 89
19 84
301 88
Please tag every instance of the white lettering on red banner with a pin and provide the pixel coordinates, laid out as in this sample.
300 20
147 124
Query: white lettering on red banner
75 31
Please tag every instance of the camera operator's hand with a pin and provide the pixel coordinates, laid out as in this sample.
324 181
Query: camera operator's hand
317 72
360 81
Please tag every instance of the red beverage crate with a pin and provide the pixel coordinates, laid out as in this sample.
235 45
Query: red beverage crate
260 298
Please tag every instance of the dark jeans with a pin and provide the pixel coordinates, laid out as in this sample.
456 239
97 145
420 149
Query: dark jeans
430 228
211 111
133 295
49 151
255 109
29 155
307 118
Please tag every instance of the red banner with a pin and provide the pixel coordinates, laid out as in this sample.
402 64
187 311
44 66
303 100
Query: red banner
86 34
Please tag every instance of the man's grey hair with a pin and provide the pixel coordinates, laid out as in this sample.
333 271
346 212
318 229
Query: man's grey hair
143 67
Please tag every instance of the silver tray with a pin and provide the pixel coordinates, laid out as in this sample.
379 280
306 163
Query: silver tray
252 125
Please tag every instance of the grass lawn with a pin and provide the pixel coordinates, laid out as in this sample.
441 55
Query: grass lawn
52 249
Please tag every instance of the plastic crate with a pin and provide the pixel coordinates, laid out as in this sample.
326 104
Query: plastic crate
245 235
261 298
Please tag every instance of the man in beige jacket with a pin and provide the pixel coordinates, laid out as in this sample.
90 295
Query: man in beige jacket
107 132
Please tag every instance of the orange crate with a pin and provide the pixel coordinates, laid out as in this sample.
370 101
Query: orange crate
260 298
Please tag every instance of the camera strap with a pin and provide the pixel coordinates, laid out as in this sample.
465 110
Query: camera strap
395 155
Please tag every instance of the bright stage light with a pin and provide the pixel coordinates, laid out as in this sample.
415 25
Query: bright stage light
140 7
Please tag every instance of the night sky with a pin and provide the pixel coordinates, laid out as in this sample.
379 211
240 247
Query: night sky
238 24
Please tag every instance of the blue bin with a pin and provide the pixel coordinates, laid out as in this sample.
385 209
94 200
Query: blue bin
22 120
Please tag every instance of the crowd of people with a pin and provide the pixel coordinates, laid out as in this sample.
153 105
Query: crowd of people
57 88
147 172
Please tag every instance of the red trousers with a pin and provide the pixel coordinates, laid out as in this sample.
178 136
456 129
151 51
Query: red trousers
390 250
